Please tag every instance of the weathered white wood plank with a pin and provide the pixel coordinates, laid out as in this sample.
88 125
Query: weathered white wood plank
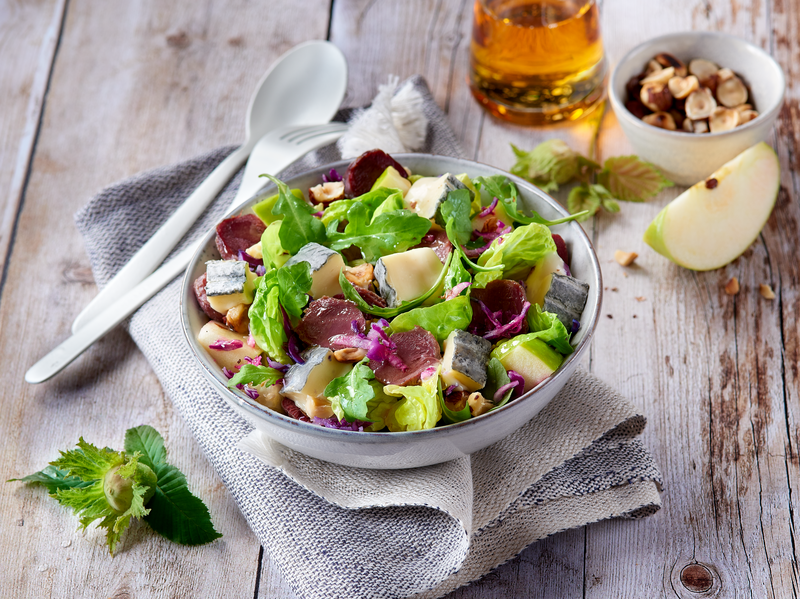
29 34
134 86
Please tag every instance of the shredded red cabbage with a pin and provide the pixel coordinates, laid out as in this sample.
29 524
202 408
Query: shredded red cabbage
332 176
475 253
456 291
500 229
254 361
251 393
377 343
489 209
277 365
253 262
576 326
427 373
228 374
520 388
318 213
293 343
512 328
498 395
342 425
226 344
261 271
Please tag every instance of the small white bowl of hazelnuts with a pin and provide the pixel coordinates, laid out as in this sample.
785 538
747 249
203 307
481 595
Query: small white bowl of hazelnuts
689 102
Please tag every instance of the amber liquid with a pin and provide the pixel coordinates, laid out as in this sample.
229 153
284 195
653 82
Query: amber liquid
537 62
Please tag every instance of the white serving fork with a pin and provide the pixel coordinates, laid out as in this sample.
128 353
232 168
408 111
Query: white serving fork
274 152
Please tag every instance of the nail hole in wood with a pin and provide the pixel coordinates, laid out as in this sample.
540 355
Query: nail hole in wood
697 578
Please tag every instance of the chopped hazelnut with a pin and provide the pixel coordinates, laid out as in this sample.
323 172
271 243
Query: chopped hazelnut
702 68
661 76
361 275
666 60
656 96
478 404
237 318
662 120
732 286
325 193
723 119
350 354
732 92
681 87
766 291
745 116
625 258
700 104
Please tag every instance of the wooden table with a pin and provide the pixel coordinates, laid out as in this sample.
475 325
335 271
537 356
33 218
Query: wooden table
92 92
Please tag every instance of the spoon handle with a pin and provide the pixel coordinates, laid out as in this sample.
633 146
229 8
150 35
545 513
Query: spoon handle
153 252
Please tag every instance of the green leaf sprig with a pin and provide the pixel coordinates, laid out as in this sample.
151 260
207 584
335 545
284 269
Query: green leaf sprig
117 486
553 163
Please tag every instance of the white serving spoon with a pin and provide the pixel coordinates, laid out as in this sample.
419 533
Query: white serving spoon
305 86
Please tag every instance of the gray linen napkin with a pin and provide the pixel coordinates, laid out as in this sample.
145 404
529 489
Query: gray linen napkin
346 532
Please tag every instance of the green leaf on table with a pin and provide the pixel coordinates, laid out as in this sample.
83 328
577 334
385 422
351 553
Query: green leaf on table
177 514
350 393
388 233
550 164
294 283
300 226
148 442
53 479
630 179
250 374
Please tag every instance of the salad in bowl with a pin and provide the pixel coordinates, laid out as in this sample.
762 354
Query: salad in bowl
390 296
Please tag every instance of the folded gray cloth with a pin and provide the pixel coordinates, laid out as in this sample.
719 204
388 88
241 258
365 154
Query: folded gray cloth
345 532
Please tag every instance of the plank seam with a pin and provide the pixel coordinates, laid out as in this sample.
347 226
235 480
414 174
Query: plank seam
12 234
258 571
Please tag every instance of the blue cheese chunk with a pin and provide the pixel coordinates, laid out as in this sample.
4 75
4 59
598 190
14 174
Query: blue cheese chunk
407 275
566 298
305 383
326 264
228 284
464 361
427 193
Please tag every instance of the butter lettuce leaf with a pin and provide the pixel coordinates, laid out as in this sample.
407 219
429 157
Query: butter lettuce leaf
388 233
272 251
266 318
455 211
517 251
301 226
419 408
440 320
547 327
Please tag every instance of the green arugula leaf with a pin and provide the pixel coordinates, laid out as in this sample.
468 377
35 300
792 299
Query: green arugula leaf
550 164
496 377
148 442
54 479
177 514
301 226
351 294
630 179
294 283
456 274
250 374
498 186
388 233
455 211
352 392
440 319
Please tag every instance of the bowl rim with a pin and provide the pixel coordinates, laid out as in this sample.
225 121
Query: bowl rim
249 405
622 111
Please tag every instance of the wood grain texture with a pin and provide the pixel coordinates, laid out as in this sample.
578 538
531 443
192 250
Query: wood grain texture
138 85
133 86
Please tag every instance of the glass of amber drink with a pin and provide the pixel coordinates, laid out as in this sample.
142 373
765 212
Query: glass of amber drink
537 61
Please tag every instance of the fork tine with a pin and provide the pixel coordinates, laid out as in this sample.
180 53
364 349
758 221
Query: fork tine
302 133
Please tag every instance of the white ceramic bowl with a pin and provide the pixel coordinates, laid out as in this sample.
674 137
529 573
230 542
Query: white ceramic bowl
417 448
687 158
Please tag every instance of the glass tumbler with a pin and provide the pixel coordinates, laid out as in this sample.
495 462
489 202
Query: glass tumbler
534 62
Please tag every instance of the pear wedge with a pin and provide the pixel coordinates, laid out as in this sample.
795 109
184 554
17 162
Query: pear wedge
713 222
